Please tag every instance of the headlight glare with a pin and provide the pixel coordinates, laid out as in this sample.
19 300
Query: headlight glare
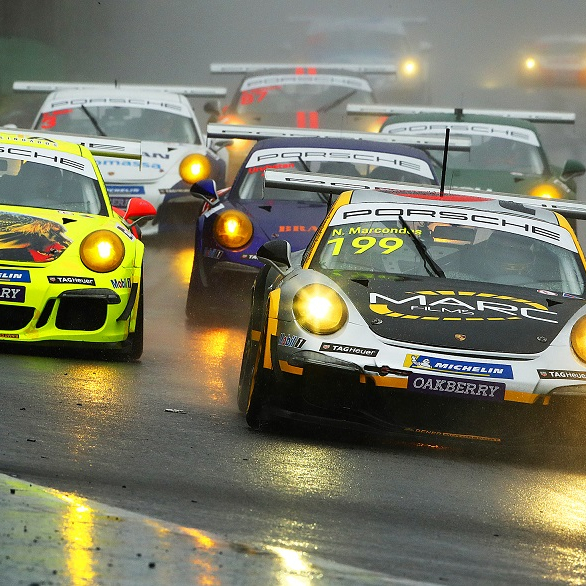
409 68
578 338
102 251
319 309
546 191
194 168
233 229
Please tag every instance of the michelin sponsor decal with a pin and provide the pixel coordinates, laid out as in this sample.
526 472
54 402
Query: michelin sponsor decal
344 349
456 387
481 369
125 189
15 276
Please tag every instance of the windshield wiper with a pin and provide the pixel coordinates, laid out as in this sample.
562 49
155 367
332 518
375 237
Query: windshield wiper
336 102
93 121
430 265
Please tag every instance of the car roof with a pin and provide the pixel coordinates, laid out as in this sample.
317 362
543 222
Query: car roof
434 117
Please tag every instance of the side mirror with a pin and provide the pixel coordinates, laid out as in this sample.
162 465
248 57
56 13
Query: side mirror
276 253
206 189
216 145
139 209
212 107
572 169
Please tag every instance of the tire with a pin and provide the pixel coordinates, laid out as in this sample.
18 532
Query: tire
198 296
260 386
134 345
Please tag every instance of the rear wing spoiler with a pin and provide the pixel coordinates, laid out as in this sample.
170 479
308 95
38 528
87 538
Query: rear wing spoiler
336 184
52 86
350 67
228 131
532 116
100 146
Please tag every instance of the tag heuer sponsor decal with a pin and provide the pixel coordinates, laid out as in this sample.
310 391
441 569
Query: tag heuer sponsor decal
15 276
456 387
483 369
562 374
291 341
459 306
329 347
69 280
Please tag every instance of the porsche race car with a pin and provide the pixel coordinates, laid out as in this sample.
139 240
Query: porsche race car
235 222
506 153
70 263
423 313
174 150
302 96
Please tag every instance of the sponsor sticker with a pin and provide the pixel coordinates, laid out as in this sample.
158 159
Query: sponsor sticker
456 387
562 374
14 276
483 369
126 189
125 283
70 280
11 336
13 293
358 350
291 340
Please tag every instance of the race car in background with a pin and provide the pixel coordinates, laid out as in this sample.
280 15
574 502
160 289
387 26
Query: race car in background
506 152
70 263
554 60
235 222
174 155
374 40
438 315
302 96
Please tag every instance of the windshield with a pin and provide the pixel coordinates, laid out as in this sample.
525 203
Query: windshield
466 252
122 122
26 183
272 94
384 166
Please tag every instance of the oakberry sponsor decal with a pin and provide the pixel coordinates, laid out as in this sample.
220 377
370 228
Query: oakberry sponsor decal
344 349
562 374
13 293
481 369
456 387
291 341
69 280
459 305
15 276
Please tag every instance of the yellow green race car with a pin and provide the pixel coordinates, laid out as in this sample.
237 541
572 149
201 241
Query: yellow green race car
70 263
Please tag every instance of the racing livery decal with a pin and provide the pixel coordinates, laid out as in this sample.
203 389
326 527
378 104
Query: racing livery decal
15 276
426 383
14 293
329 347
481 369
291 340
29 238
67 280
459 305
562 374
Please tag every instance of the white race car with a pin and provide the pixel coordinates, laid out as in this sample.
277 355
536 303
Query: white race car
174 154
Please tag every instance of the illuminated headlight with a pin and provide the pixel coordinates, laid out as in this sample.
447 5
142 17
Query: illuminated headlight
319 309
546 191
409 68
530 64
233 229
194 168
102 251
578 338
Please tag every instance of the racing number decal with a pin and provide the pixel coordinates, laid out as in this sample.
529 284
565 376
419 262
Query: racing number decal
49 119
257 95
364 243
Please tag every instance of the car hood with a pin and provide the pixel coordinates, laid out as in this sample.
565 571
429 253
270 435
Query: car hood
461 315
501 181
294 221
41 236
158 158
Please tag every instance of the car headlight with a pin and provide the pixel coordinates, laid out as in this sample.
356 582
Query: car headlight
546 190
409 68
530 64
319 309
233 229
194 168
102 251
578 338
